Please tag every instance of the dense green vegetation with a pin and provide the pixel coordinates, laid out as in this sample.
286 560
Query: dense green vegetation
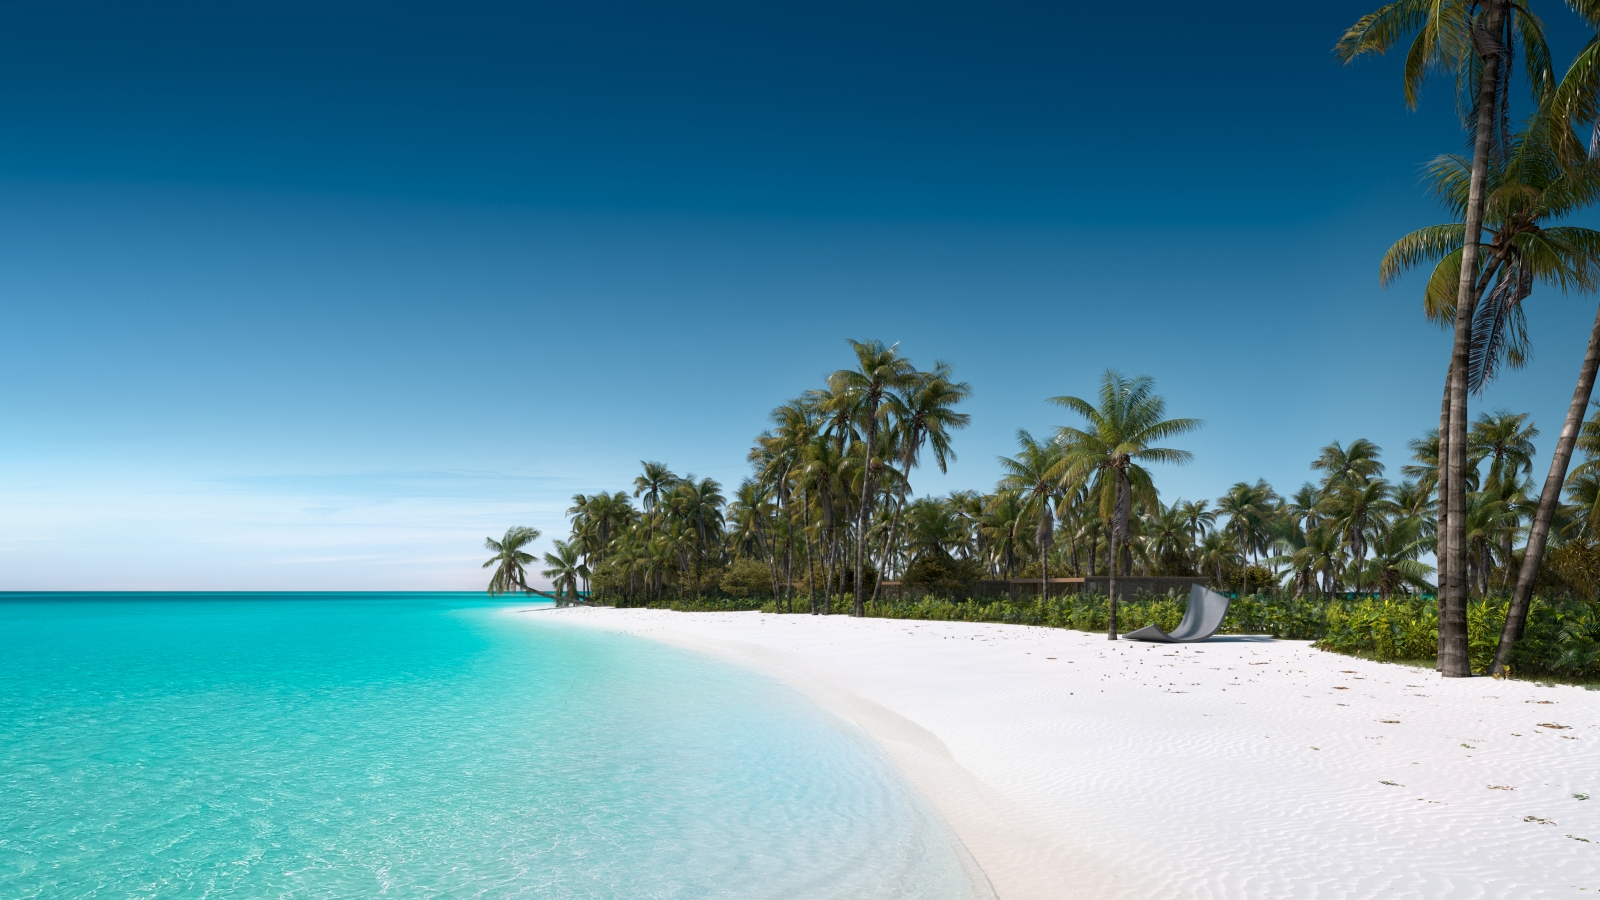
1562 640
828 520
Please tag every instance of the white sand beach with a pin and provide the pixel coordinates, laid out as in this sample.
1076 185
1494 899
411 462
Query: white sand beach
1074 767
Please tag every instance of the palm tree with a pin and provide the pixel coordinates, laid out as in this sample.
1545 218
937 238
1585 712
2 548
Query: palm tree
1483 519
1313 561
1424 465
509 558
1249 510
1303 507
822 475
1198 520
1506 440
934 528
1105 457
881 372
566 571
698 504
1031 476
1576 99
656 480
1394 562
1356 512
1342 465
998 526
1170 538
1215 552
1474 39
775 456
929 417
1527 190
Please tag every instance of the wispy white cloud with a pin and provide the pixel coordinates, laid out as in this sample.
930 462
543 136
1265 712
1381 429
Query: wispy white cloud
393 530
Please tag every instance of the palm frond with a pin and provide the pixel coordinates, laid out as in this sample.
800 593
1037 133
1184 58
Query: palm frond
1422 245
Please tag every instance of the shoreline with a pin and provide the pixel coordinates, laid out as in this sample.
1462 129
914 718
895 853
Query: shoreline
1070 766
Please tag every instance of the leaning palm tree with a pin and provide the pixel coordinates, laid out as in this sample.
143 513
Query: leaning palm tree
1105 456
509 558
1475 40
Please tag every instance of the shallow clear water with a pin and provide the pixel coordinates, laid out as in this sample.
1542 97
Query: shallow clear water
424 746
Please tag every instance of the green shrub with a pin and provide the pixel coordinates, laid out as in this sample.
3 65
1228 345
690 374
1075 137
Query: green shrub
1562 639
746 577
941 575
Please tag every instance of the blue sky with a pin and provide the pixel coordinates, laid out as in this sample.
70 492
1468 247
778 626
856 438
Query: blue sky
305 296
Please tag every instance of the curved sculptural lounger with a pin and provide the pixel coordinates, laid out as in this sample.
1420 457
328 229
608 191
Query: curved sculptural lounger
1200 621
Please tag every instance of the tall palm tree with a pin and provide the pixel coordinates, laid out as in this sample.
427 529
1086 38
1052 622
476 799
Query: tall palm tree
929 417
509 559
698 505
880 373
1527 191
1105 456
777 454
1475 40
822 476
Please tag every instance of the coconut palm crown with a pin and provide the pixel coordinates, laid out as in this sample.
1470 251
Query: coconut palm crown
1120 433
509 559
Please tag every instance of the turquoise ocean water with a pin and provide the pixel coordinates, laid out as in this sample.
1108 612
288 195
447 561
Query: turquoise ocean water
345 746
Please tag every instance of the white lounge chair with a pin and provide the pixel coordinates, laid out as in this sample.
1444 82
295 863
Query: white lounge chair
1201 620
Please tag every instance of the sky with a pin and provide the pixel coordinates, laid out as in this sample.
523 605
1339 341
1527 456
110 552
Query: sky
316 296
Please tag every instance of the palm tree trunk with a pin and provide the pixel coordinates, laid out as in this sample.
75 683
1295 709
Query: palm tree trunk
830 567
811 575
1111 623
788 552
1549 498
894 526
866 505
1444 497
1453 658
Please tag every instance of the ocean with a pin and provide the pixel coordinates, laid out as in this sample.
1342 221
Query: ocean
424 745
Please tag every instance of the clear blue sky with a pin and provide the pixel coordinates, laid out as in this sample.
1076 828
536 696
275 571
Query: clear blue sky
318 295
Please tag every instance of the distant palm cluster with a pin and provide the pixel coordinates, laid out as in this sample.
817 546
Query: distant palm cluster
792 530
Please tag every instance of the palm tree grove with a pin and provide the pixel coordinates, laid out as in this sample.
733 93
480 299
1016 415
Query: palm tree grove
1447 550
